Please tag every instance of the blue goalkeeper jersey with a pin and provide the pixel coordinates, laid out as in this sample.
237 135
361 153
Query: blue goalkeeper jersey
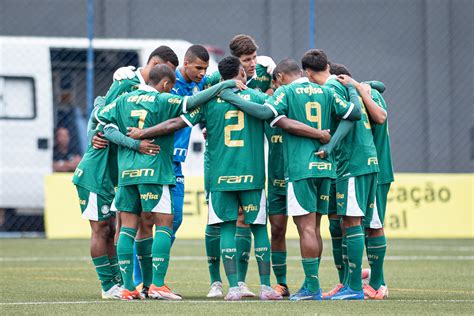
181 137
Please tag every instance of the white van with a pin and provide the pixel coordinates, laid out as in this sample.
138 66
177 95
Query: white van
32 72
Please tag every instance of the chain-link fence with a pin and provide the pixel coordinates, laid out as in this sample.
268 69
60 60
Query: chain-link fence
421 49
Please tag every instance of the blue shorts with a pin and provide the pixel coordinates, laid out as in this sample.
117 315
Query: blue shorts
178 197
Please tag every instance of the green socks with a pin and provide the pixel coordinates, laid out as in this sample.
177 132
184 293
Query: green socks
376 248
355 251
243 240
144 257
229 251
336 238
345 262
213 252
161 254
279 266
311 268
262 252
125 255
104 272
115 270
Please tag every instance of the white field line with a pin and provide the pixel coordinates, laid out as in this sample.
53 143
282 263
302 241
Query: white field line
221 302
201 258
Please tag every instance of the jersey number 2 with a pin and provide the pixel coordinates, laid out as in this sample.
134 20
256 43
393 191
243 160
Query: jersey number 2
234 127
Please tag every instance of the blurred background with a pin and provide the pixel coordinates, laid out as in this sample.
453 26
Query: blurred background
423 50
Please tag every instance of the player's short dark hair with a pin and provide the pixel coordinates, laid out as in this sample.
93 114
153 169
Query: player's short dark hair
229 67
339 69
287 66
159 72
196 51
242 45
315 60
166 54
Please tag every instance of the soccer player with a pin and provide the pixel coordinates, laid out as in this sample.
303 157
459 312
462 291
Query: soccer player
376 245
356 182
235 183
127 80
258 70
144 181
309 175
95 178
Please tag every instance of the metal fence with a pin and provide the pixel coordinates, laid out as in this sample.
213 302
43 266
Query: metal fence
421 49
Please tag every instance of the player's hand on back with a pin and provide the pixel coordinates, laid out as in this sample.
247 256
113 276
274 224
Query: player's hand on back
99 142
134 132
367 88
124 73
346 80
322 152
240 85
148 148
325 136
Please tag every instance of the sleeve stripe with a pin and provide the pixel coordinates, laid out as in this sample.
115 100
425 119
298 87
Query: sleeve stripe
272 124
348 111
272 108
111 126
186 121
185 102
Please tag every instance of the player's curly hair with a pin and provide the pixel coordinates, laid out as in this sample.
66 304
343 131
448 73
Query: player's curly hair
166 54
339 69
315 60
229 67
242 45
159 72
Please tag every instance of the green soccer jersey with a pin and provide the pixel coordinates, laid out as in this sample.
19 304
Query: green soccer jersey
356 154
97 171
120 87
382 144
143 108
276 165
234 143
261 80
315 106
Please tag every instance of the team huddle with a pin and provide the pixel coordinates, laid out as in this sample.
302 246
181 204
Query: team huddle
328 154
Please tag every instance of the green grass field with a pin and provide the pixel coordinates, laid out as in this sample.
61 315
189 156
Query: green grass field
56 277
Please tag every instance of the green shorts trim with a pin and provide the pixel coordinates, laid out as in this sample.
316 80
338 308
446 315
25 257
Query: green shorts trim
94 207
378 217
155 198
355 196
308 196
224 206
276 203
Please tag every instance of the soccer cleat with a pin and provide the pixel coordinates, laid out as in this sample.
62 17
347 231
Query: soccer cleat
112 293
163 293
245 291
334 291
348 294
282 289
371 294
234 294
365 276
144 292
269 294
127 295
302 288
216 290
305 295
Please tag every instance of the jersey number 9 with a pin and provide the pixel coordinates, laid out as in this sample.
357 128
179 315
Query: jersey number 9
313 111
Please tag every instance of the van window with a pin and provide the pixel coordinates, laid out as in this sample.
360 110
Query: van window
17 98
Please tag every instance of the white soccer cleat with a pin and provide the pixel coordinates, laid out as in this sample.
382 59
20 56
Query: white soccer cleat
269 294
113 293
245 291
216 290
234 294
